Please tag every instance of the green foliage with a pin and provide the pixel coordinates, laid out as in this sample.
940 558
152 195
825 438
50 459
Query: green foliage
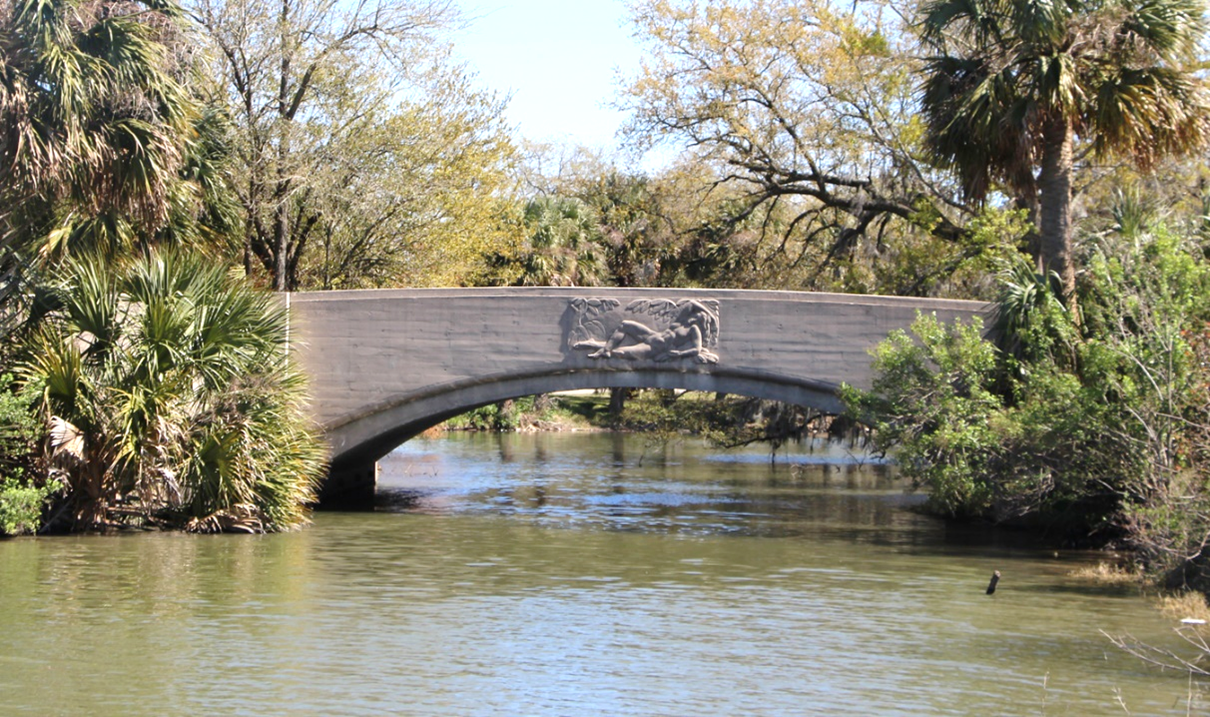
682 227
1031 322
18 427
727 421
561 247
1146 309
166 393
925 265
724 248
484 418
21 498
1097 429
932 400
805 113
541 412
366 154
635 231
991 437
1011 85
97 122
21 506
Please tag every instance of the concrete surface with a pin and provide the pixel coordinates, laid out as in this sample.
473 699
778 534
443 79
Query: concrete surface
386 364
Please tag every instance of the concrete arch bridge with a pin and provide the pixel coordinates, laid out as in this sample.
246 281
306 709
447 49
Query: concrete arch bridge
385 365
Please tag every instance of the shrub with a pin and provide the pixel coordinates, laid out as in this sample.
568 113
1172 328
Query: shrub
22 504
931 401
22 499
1097 428
168 397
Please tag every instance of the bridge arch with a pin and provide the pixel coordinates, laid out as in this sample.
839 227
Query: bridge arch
386 365
372 436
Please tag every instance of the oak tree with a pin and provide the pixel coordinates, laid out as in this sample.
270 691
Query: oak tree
808 107
355 128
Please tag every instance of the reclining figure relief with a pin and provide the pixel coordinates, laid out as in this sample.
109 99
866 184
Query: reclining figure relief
653 330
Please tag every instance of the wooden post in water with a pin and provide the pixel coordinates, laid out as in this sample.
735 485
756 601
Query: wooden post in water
991 587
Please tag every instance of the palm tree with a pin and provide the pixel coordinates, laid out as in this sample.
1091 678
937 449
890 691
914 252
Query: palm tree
168 397
562 250
95 120
1015 86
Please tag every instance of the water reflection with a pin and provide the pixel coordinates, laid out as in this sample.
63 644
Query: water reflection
573 575
610 481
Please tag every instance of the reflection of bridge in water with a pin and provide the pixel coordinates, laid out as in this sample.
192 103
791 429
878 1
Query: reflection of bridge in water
385 365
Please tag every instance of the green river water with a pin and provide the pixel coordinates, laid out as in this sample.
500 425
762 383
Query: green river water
579 574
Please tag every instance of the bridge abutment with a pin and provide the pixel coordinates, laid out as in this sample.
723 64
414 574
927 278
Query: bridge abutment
350 486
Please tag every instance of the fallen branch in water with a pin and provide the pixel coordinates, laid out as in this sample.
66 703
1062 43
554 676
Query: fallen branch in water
1167 659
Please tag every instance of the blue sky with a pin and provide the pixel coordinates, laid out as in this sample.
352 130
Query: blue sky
559 58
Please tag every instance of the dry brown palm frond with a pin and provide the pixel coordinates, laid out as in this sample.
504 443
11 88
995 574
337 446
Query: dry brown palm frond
239 518
66 441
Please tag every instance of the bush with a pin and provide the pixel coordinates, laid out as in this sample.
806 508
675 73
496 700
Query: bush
168 397
22 500
511 415
1096 428
22 505
931 400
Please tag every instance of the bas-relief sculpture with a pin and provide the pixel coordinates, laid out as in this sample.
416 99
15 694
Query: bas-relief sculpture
659 330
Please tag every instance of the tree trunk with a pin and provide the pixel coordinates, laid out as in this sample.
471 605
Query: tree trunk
617 402
281 195
1028 201
247 255
1054 183
281 238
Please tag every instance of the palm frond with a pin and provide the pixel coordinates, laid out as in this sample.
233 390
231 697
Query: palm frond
194 408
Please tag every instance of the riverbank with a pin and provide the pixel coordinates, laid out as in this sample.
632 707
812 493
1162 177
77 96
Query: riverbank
723 419
571 411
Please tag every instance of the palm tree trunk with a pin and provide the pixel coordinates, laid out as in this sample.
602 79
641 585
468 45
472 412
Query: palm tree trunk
1054 183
